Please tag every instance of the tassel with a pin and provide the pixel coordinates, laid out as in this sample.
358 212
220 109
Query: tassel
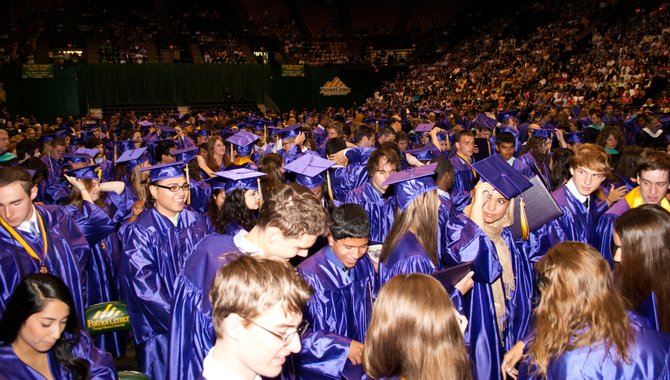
330 189
115 152
188 181
523 219
260 191
232 153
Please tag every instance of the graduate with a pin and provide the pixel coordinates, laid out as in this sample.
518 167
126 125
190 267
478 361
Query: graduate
37 238
311 171
200 190
342 277
291 143
499 307
653 177
534 158
380 208
242 148
464 174
351 171
53 160
154 249
242 200
288 224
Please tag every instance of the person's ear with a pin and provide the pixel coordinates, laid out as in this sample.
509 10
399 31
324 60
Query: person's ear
331 240
572 171
153 190
33 193
233 327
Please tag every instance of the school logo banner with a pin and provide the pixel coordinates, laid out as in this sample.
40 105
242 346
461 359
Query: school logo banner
107 316
335 87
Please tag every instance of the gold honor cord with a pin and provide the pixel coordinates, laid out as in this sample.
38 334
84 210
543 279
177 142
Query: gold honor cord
330 189
467 162
26 246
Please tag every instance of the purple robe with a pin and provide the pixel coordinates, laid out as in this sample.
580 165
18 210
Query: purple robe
408 256
380 209
341 307
605 229
153 253
101 364
463 183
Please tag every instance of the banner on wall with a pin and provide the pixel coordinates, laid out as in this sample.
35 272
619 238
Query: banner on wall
335 87
41 71
293 70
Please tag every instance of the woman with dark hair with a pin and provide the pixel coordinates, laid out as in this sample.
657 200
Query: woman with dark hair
641 237
41 338
582 329
242 200
216 159
612 140
415 332
560 167
535 156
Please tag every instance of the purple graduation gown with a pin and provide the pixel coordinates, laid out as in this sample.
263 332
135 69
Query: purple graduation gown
68 249
463 183
649 357
340 307
408 256
381 210
153 253
528 166
605 229
101 364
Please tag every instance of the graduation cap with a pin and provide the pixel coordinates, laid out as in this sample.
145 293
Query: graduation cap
48 137
146 123
441 136
202 133
240 179
185 154
290 131
507 181
86 172
88 152
75 158
165 171
486 121
242 142
427 127
167 130
309 170
544 133
411 183
124 145
424 153
133 157
502 116
574 137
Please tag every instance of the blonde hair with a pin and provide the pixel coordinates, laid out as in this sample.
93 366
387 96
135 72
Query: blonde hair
421 213
251 285
578 306
414 332
591 156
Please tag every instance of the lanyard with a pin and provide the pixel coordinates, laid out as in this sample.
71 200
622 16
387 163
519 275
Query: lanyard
467 162
26 246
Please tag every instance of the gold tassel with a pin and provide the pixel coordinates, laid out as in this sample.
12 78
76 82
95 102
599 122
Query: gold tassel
330 189
98 171
523 219
260 191
188 181
115 152
232 153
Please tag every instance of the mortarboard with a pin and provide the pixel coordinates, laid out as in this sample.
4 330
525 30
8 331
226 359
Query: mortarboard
88 152
424 153
86 172
574 137
309 170
242 142
133 157
48 137
166 130
165 171
424 127
544 133
411 183
146 123
124 145
240 179
486 121
202 133
290 131
75 158
185 154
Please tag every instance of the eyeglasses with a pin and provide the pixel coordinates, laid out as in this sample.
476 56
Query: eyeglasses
302 327
174 188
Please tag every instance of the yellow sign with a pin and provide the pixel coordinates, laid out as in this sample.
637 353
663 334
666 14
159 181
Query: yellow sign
335 87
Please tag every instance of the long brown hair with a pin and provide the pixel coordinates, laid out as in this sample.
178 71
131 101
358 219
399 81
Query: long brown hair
271 164
578 306
421 215
414 332
644 233
210 161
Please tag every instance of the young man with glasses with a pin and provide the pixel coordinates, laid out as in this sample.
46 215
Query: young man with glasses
257 306
154 249
287 226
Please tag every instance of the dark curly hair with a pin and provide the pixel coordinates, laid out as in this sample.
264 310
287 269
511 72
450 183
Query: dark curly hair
235 210
29 298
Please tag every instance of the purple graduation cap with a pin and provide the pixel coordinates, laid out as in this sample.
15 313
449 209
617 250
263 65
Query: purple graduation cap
290 131
411 183
133 157
309 170
202 133
166 130
146 123
48 137
88 152
426 127
75 158
502 116
185 154
544 133
507 181
486 121
424 153
241 178
124 145
243 141
574 138
165 171
86 172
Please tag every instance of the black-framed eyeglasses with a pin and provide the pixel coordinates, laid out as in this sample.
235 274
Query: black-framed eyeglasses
302 327
174 188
